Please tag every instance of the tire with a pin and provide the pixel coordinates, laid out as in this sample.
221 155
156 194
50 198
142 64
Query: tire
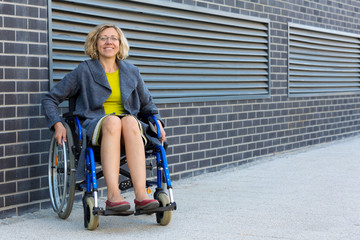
61 175
91 222
163 218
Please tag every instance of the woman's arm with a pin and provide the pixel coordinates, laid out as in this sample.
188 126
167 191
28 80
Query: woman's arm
66 88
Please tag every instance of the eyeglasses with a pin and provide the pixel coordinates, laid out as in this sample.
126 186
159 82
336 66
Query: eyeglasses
111 39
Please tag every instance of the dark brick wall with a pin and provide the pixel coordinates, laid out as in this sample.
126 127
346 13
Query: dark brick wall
23 78
203 136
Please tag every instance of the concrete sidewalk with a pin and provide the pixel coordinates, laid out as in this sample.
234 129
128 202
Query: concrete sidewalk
308 194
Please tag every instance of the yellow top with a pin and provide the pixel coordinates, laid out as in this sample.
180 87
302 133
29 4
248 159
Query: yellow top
114 103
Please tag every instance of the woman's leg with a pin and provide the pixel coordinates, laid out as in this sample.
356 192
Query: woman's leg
110 156
135 155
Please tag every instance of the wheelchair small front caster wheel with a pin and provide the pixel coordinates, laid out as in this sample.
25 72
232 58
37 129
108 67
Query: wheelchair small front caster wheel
91 222
163 218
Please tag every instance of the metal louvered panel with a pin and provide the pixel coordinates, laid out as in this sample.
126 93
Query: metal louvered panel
322 62
183 53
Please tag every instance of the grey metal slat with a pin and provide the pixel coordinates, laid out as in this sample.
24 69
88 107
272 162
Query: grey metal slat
325 74
197 64
323 56
203 87
328 79
204 71
322 69
198 50
325 48
187 57
206 79
324 90
187 93
325 85
334 63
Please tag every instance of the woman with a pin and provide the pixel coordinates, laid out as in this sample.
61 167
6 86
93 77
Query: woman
110 95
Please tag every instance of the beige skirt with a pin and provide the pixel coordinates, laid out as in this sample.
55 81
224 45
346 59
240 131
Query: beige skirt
96 135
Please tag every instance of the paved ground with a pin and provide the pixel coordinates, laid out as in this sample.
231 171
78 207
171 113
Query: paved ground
309 194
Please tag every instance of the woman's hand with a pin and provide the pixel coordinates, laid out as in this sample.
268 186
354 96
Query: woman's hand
162 131
60 133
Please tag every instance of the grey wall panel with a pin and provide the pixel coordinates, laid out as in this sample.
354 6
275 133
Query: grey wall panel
184 54
323 62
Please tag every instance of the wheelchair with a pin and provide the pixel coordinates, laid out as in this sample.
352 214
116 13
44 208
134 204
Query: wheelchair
63 162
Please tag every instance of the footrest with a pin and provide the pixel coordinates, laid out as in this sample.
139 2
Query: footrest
169 207
117 213
101 211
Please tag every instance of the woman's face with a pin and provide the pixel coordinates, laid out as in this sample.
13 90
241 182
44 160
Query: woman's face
108 43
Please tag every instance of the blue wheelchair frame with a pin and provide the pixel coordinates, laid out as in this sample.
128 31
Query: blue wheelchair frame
92 176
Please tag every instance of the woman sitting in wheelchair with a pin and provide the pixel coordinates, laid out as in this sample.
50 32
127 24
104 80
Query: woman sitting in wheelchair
110 95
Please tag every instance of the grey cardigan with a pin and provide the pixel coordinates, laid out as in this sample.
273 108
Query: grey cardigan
89 83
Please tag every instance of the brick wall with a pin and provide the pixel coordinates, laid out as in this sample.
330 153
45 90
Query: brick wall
23 76
203 136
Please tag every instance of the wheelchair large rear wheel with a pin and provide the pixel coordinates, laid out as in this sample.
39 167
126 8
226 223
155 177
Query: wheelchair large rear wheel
61 174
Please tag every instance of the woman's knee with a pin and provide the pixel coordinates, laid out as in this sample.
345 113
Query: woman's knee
111 124
130 124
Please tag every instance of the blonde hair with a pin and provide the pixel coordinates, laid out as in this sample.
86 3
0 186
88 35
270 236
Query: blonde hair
91 42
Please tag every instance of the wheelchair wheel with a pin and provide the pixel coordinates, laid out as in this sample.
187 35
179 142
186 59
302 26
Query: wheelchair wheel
91 222
163 218
61 175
